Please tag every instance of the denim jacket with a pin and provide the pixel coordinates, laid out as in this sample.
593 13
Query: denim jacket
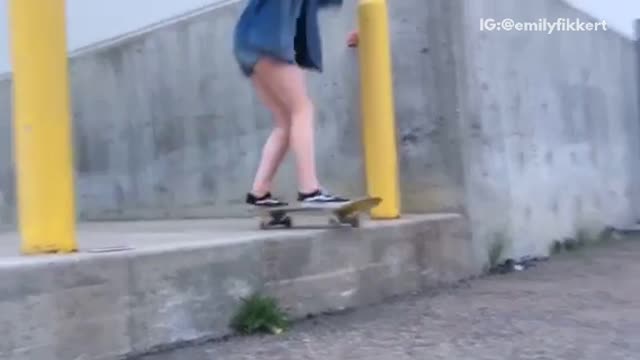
285 29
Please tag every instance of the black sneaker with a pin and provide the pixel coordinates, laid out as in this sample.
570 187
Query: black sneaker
320 198
265 201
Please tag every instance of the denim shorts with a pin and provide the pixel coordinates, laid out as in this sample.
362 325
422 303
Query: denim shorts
248 58
252 40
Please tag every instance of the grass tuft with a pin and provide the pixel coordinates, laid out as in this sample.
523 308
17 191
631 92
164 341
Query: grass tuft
259 314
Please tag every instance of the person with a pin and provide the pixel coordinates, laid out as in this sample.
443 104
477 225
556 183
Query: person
274 42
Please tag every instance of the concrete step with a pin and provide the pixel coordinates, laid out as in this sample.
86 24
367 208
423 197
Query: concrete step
181 281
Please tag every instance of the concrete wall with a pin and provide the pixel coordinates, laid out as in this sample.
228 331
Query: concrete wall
531 135
166 125
550 127
186 287
90 21
425 67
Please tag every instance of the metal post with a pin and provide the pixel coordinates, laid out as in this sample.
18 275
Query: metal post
42 126
378 118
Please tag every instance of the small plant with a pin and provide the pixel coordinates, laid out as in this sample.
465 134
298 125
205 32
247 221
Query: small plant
556 247
606 234
585 237
571 244
259 314
496 250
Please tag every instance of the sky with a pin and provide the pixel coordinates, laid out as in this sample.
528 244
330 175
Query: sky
90 21
620 14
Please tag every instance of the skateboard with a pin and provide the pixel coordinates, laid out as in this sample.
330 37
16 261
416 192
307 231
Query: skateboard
340 215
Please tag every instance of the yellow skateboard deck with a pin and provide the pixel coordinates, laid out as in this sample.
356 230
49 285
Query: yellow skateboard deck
339 215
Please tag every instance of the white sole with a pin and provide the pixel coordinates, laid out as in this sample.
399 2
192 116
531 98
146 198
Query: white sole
321 205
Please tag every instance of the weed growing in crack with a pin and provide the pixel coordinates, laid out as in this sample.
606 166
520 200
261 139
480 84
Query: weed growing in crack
259 314
496 250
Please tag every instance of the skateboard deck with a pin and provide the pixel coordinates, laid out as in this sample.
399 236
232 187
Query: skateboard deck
343 214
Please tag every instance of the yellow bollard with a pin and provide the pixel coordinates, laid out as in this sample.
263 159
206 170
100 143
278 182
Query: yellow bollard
378 118
42 126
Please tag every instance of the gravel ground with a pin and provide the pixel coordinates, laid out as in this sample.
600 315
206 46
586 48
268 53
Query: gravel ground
581 305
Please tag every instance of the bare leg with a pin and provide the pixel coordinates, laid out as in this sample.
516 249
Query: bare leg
277 144
286 83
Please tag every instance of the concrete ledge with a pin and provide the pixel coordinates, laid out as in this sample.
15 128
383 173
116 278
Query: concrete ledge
103 306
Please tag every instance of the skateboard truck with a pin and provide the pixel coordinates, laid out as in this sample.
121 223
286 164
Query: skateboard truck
276 219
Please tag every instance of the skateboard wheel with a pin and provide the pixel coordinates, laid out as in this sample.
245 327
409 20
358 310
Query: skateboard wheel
354 222
263 225
287 222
